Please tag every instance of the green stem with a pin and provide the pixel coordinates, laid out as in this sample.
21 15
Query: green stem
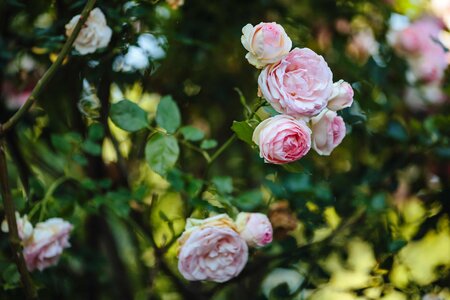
43 82
14 239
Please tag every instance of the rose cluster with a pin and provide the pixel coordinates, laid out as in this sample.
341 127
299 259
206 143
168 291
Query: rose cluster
420 44
299 85
216 248
43 244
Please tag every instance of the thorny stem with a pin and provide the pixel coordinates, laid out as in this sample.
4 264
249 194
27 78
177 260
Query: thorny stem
8 204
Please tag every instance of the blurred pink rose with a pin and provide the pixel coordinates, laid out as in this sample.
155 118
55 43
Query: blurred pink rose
362 45
299 85
328 132
15 96
47 243
419 44
423 97
255 229
429 67
266 43
212 253
342 96
24 227
282 139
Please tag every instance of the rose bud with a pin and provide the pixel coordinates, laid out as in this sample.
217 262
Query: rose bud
266 43
299 85
342 96
282 139
24 227
328 131
255 229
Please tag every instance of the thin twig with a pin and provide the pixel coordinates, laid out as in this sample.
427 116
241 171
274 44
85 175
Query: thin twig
10 213
43 82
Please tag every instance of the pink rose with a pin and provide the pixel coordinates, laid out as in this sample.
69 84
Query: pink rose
212 253
282 139
342 96
24 227
255 229
328 131
299 85
47 243
266 43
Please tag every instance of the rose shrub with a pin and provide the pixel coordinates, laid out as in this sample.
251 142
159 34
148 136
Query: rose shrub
170 151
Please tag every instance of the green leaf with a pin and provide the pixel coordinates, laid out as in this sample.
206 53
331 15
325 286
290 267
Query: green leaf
396 131
208 144
161 153
224 184
92 148
191 133
243 131
396 245
249 201
128 116
11 277
168 115
96 132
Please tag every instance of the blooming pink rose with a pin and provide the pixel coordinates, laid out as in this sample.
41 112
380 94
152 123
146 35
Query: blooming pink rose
47 243
266 43
282 139
299 85
342 96
212 253
24 227
255 229
328 131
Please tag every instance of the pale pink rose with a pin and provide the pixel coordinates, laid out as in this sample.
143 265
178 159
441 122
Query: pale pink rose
328 131
255 229
299 85
47 243
282 139
419 37
94 35
266 43
342 96
24 227
212 253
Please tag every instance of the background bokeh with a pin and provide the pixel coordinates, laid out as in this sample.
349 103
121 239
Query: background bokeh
368 222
